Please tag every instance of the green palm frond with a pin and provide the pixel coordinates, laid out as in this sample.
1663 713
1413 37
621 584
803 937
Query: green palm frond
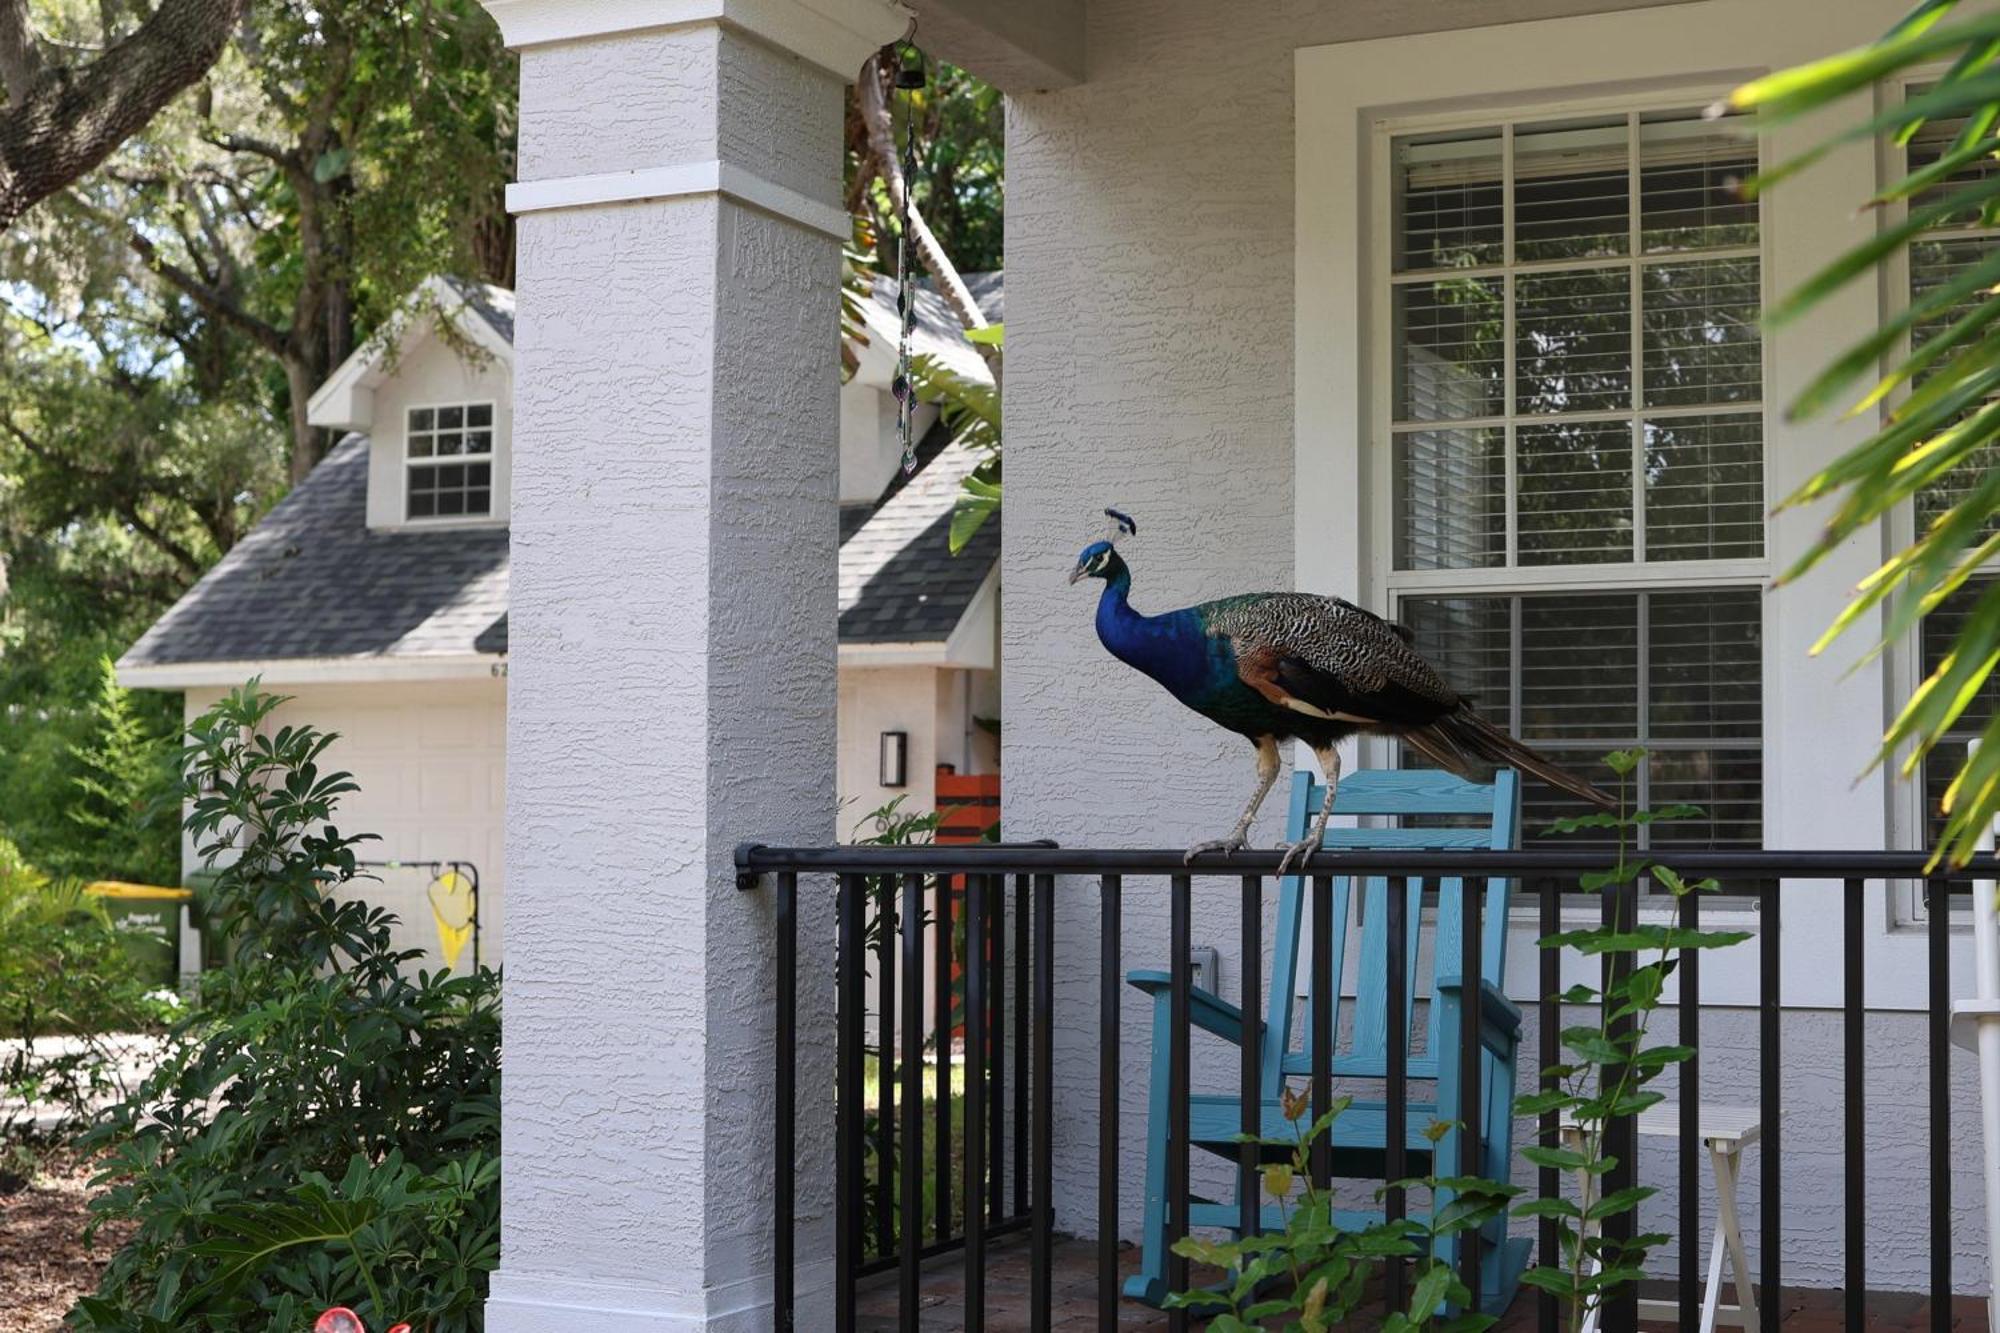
1932 373
971 410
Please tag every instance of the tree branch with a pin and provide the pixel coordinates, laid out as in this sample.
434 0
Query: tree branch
167 546
873 96
250 143
268 336
63 122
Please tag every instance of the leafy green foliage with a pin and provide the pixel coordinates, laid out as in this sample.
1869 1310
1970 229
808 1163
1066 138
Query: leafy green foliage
959 177
165 317
65 971
971 408
326 1124
126 794
1608 1064
1312 1275
1940 422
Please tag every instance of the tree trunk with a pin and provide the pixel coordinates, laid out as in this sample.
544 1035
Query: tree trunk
306 438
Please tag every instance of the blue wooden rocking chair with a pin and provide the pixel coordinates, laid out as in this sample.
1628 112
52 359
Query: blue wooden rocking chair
1490 819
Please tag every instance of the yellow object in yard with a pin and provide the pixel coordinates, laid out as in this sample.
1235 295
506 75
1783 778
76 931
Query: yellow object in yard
118 888
455 907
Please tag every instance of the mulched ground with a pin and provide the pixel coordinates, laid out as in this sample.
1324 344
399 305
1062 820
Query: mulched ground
44 1266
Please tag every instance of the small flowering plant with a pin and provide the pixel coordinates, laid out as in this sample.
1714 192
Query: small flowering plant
340 1319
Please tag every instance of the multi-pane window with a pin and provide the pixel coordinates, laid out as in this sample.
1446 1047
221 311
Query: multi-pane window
1937 259
1577 367
1575 383
1577 674
448 454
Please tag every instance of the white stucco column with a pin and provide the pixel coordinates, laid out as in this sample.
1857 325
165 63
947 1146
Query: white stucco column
671 644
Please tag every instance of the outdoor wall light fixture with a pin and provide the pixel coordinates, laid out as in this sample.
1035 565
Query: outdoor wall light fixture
895 759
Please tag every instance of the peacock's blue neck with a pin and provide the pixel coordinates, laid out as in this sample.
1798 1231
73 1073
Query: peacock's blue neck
1174 649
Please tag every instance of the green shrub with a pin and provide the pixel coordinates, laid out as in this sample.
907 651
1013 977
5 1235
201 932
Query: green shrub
325 1130
65 972
125 798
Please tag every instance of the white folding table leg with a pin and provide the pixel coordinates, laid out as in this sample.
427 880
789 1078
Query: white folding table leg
1726 1167
1711 1294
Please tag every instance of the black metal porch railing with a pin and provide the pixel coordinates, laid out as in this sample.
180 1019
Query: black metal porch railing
1811 880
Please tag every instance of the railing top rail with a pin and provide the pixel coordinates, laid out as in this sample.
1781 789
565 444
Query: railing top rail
756 859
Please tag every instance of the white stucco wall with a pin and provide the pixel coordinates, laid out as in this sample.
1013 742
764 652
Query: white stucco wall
427 370
1151 276
431 761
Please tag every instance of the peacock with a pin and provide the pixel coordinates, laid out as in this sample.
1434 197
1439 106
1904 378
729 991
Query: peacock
1276 666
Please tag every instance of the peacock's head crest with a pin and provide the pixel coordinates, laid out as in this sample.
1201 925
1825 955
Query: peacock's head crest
1100 559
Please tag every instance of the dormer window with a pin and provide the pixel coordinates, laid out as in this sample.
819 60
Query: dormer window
448 458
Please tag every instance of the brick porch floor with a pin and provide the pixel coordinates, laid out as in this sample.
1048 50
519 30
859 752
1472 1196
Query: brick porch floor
943 1300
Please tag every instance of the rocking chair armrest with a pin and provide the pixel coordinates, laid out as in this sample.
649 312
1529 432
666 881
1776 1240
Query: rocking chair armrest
1499 1017
1209 1012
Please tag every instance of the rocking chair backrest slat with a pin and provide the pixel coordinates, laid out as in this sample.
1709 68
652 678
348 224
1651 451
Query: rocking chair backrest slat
1494 809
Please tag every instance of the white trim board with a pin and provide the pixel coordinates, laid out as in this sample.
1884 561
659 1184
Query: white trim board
311 670
1821 724
679 181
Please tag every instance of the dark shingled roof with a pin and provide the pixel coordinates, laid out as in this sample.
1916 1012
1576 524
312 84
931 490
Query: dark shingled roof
899 581
495 305
311 580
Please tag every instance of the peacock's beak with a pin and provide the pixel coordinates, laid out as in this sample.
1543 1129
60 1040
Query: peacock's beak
1077 573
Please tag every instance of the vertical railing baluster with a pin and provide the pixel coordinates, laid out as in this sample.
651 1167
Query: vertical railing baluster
1021 923
848 1180
1853 1072
1323 1005
785 1044
1771 1229
1251 1121
1040 1073
1621 1138
910 1217
1179 1111
1110 940
976 917
941 984
1471 1012
1396 1132
1548 1041
885 1064
1688 972
1939 939
996 1045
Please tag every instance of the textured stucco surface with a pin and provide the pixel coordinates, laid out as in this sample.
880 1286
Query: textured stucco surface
1150 366
672 687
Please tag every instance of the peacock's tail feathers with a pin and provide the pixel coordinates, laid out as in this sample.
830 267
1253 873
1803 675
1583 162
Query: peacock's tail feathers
1461 737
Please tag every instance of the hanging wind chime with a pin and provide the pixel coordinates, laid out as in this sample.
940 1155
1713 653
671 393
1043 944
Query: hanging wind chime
909 70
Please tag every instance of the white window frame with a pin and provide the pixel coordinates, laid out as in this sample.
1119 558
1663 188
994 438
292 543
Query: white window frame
1667 56
406 463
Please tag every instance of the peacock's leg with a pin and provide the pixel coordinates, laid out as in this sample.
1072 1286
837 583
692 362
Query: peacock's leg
1267 773
1329 764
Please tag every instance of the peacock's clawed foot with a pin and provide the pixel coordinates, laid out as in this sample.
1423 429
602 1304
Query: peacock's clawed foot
1297 855
1235 842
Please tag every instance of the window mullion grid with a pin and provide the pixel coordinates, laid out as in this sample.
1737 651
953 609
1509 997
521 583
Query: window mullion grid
1510 553
1638 352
